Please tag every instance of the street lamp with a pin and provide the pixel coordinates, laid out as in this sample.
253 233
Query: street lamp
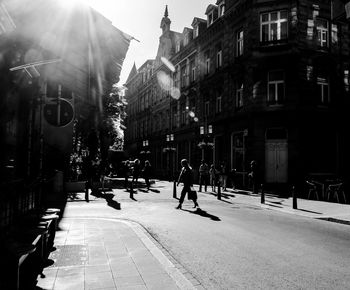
168 149
145 149
205 133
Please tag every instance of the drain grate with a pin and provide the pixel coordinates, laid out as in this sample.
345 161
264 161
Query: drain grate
69 255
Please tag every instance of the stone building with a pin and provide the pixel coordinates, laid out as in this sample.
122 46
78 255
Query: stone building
57 61
265 81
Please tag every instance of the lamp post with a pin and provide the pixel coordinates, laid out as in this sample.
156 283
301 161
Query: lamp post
168 149
145 150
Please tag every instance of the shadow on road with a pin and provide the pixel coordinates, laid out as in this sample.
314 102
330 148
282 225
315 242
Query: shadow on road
203 213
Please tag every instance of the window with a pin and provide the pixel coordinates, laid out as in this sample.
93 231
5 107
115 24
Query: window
195 31
239 43
322 32
178 46
323 89
346 80
309 70
193 71
206 108
183 76
334 34
219 58
186 39
222 9
239 95
275 87
210 18
183 114
207 62
274 26
218 104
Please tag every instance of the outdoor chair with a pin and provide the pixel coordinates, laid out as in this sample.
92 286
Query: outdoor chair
312 190
334 190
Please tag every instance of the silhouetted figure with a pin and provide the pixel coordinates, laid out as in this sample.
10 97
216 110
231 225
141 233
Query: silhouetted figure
223 176
213 174
186 177
147 171
136 170
126 173
254 176
203 175
233 178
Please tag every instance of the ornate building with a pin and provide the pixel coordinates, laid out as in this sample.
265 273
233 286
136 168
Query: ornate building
259 80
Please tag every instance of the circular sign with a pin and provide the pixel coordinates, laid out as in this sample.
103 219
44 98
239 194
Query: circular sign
59 113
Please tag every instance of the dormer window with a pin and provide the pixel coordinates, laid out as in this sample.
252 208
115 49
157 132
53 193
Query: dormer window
222 9
210 18
178 46
195 31
186 39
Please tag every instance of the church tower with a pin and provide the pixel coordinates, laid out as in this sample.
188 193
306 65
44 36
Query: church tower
165 23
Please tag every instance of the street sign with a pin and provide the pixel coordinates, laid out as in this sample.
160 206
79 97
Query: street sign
59 113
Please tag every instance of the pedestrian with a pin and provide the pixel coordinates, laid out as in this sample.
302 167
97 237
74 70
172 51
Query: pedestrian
223 176
146 171
126 173
203 175
254 176
213 173
186 177
233 178
136 170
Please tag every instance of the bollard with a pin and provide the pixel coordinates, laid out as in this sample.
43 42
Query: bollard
294 195
219 191
86 191
131 191
262 194
174 189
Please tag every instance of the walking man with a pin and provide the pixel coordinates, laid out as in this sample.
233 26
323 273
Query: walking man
186 177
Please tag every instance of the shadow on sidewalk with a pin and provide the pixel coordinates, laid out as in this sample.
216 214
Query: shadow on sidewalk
203 213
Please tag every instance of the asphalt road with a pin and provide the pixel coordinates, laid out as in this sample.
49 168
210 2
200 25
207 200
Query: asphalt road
227 245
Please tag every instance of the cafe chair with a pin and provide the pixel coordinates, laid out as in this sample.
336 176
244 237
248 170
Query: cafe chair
312 190
334 190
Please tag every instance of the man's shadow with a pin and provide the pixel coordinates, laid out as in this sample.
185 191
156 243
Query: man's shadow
203 213
110 202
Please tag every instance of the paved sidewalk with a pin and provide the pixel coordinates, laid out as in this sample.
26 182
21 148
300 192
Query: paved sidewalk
108 254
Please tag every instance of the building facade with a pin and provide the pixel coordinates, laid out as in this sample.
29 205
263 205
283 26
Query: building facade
265 81
57 62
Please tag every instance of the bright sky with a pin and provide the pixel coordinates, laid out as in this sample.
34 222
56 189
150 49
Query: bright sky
141 19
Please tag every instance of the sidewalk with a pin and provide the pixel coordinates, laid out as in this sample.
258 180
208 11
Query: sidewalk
330 211
109 254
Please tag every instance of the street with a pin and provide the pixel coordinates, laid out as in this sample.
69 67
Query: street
230 245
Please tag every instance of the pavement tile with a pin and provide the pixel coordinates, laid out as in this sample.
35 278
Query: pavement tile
49 280
99 280
75 282
90 269
129 281
67 271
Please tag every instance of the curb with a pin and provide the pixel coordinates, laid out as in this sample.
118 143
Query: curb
176 272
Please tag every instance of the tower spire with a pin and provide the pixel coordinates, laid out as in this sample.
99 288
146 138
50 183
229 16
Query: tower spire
166 14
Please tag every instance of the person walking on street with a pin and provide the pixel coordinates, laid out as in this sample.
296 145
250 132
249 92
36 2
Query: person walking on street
213 173
136 171
126 172
254 176
186 177
203 175
223 176
146 171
